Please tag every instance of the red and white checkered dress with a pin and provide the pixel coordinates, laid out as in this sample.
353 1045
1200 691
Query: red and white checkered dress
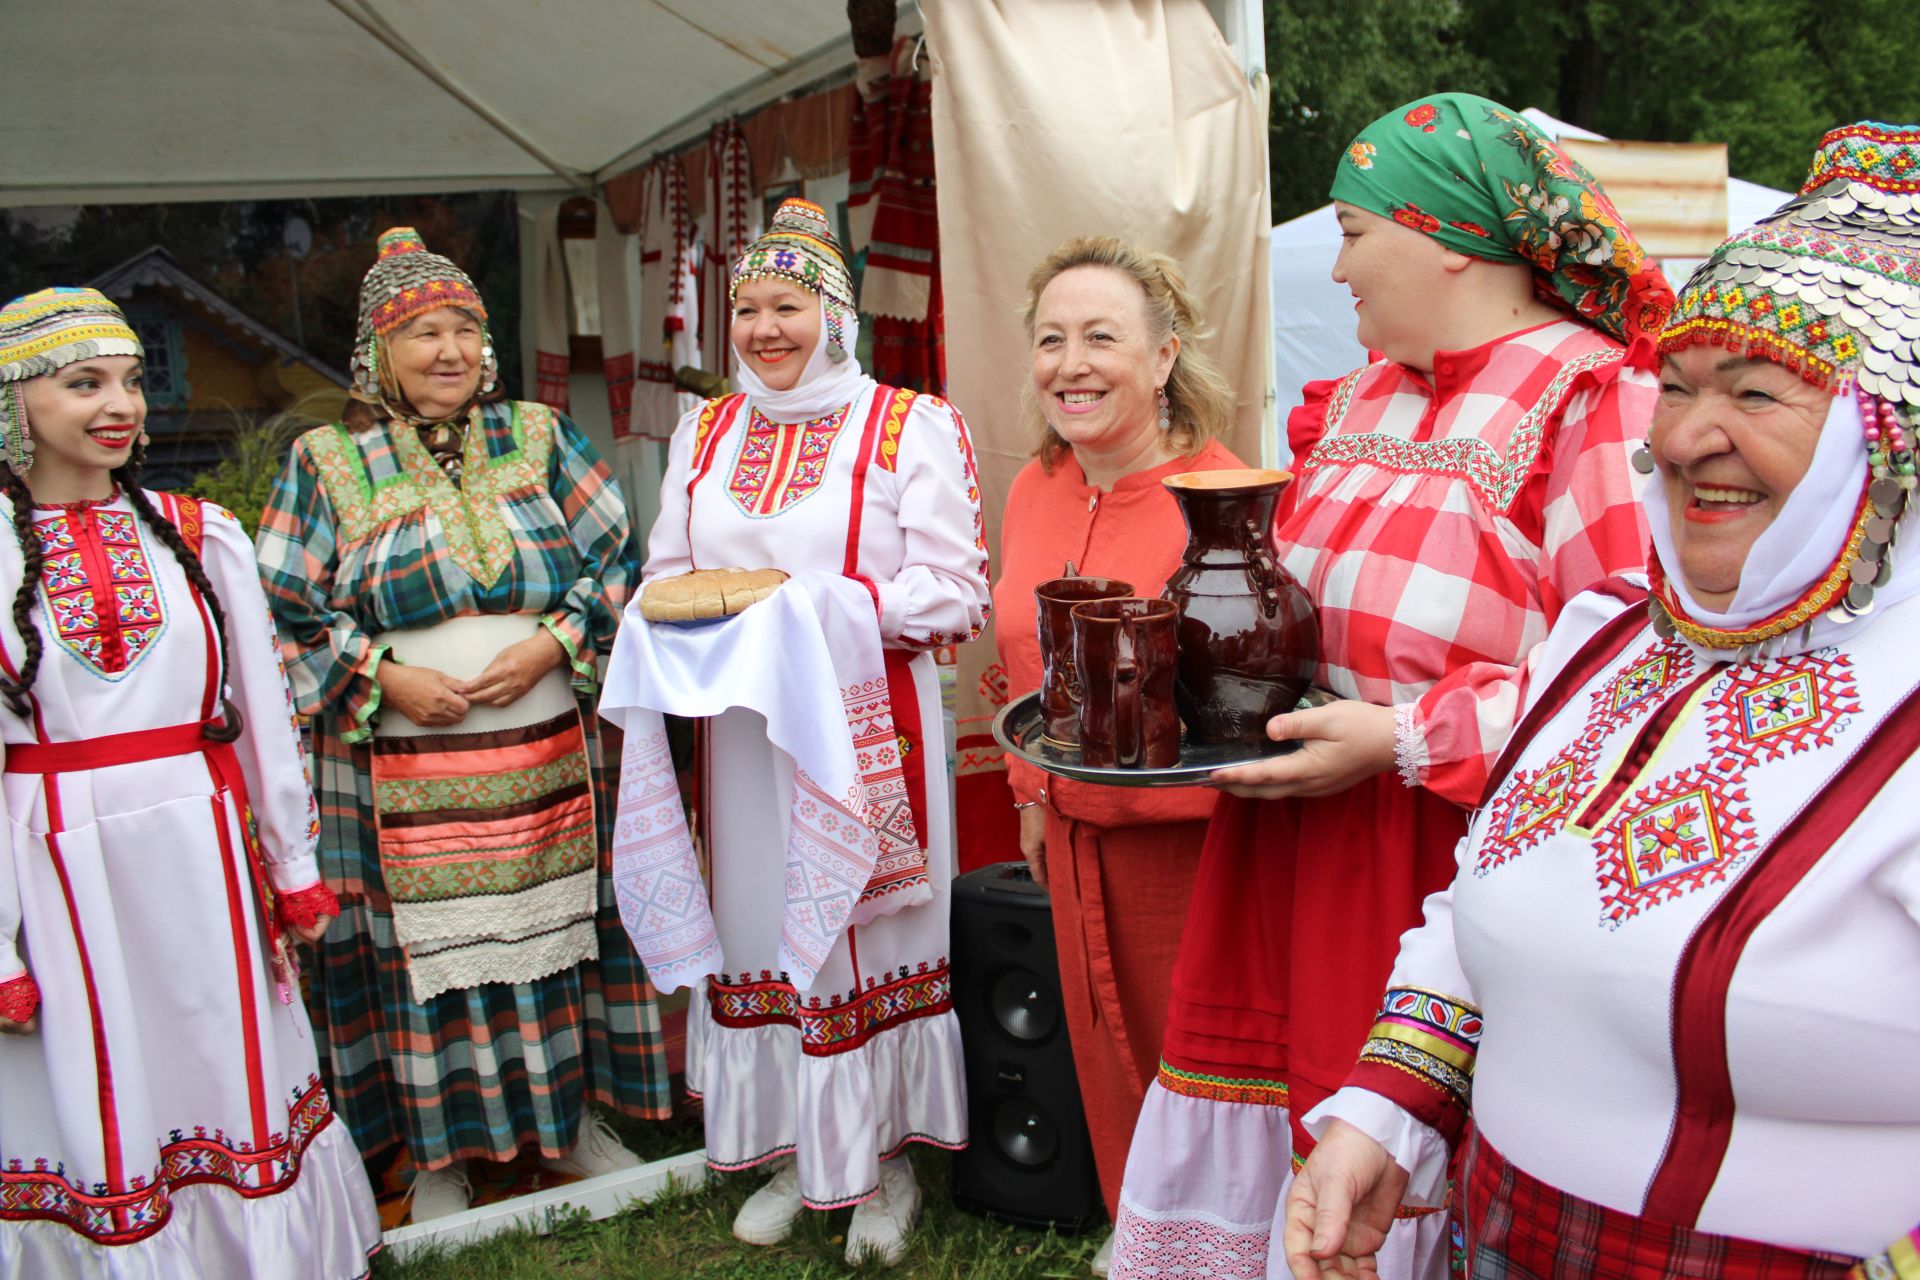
1439 524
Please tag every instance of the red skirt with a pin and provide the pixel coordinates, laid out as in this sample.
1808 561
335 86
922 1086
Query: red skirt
1519 1228
1296 917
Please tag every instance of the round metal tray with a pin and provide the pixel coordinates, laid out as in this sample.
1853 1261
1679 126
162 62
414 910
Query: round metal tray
1017 730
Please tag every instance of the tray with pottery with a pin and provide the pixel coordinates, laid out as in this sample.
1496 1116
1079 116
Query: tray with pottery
1019 731
1161 691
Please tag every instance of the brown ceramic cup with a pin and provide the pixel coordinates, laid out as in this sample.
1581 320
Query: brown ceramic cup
1127 652
1059 687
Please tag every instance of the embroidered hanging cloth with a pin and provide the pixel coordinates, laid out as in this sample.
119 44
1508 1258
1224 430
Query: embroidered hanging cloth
809 659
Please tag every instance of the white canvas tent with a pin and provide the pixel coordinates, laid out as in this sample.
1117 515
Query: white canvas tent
1313 316
131 101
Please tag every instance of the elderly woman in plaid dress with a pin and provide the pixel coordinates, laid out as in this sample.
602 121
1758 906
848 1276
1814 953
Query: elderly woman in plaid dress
479 995
1450 497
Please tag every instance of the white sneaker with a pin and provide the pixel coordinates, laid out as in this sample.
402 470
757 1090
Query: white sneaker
881 1222
437 1193
769 1213
598 1150
1103 1257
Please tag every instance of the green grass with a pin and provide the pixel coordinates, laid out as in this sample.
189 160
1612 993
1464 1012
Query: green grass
687 1234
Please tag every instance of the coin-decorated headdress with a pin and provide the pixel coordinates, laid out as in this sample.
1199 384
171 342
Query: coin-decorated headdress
46 331
799 247
405 281
1829 286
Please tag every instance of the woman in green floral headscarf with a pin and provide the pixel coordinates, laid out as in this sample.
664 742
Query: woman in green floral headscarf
1450 498
1485 182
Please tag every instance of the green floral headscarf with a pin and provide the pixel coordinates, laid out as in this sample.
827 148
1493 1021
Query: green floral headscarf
1482 180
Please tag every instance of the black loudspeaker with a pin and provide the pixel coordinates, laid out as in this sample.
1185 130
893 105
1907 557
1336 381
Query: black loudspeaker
1029 1159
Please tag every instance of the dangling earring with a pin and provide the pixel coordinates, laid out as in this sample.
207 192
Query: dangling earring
836 343
366 370
1642 458
143 439
489 367
1166 410
16 442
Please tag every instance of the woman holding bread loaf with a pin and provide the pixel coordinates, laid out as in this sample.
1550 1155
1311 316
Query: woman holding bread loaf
443 567
823 1038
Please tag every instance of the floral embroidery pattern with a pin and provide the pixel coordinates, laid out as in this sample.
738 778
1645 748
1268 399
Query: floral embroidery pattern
1683 832
1782 707
1691 828
1423 117
1360 155
98 587
779 465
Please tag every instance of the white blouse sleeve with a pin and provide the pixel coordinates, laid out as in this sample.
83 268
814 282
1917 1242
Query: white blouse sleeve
940 595
668 552
269 747
1411 1088
10 963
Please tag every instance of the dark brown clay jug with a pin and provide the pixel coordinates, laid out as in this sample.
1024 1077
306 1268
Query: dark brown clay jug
1249 633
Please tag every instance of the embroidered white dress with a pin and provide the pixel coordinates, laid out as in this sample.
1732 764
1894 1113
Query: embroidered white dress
167 1119
1685 936
848 1070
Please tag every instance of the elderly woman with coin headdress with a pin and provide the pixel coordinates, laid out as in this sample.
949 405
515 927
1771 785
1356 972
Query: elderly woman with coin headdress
444 567
161 1110
1674 976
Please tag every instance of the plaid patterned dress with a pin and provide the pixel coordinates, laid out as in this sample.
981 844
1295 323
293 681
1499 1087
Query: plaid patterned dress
365 534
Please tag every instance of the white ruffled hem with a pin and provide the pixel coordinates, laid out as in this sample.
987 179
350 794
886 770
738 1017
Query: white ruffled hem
840 1115
1205 1198
324 1227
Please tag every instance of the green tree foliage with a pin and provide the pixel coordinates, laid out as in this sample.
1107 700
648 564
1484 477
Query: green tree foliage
256 450
1767 77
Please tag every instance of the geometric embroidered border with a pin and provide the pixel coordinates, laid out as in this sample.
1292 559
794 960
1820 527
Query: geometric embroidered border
1192 1084
1428 1035
843 1023
123 1217
779 465
98 589
1496 477
900 861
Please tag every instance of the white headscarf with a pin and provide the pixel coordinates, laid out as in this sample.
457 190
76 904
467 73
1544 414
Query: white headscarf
823 386
1799 547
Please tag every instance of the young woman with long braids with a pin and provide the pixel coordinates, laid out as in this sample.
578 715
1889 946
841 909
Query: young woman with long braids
161 1111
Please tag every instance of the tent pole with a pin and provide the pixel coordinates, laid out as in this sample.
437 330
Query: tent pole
363 15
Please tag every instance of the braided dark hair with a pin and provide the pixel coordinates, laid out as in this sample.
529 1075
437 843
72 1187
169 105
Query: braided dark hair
15 690
127 477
